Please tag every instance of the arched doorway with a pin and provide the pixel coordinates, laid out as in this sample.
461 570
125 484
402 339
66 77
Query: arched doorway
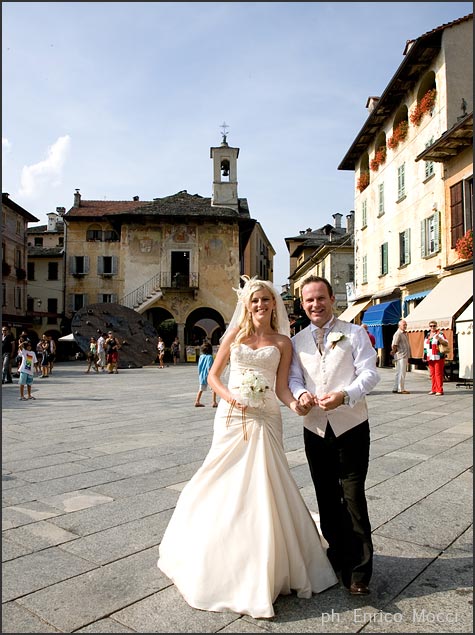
204 323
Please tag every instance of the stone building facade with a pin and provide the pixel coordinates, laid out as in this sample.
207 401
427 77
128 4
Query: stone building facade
174 259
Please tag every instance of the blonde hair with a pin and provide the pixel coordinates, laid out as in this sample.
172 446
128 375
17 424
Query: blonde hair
244 319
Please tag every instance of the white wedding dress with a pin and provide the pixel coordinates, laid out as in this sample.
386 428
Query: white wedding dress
241 533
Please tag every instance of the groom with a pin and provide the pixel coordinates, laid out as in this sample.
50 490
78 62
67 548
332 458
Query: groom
333 368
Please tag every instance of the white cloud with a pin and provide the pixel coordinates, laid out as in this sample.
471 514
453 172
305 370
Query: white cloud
34 178
6 145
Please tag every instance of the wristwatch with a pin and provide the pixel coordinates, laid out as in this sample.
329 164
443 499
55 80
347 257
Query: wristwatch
346 398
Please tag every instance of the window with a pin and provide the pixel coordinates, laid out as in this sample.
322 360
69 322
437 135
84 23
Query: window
38 241
78 301
107 265
30 267
430 235
52 271
365 269
429 165
461 209
364 214
401 182
383 259
4 294
18 227
79 265
18 259
405 248
106 297
52 309
94 233
61 241
380 199
18 298
111 236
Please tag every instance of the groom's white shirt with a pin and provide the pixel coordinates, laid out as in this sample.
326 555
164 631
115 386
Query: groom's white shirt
348 364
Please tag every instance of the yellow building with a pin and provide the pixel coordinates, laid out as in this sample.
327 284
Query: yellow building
174 259
404 219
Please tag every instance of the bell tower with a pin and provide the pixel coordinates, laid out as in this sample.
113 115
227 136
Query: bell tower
224 173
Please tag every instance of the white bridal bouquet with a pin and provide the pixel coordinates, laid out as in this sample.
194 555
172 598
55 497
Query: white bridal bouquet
252 389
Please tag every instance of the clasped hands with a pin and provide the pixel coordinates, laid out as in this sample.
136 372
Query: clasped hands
329 401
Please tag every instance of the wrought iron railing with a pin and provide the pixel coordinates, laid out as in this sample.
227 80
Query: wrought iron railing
162 280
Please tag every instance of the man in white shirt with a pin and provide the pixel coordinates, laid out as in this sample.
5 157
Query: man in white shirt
101 352
401 351
333 368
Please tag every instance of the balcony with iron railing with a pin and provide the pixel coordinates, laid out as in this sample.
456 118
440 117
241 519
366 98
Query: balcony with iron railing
160 282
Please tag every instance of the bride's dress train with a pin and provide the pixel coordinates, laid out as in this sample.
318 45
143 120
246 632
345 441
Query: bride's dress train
241 533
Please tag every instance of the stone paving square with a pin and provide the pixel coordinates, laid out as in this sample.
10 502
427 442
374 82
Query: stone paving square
92 470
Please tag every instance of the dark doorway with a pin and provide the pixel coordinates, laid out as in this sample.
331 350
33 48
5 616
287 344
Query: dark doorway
180 269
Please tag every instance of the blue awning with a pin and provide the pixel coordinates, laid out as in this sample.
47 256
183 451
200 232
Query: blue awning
380 314
413 296
384 313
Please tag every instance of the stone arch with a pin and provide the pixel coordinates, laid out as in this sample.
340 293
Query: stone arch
427 83
202 323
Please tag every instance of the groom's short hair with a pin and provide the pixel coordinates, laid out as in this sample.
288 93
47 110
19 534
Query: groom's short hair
310 279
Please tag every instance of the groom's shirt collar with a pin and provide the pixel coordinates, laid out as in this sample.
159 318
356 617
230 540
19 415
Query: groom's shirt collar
328 325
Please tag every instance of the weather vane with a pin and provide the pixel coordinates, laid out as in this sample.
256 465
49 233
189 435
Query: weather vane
224 125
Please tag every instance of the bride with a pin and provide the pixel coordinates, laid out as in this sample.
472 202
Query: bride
241 533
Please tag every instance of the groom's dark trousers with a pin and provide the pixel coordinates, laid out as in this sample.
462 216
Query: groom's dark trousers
338 466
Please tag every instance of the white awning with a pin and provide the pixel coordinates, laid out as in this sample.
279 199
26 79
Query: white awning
352 311
442 303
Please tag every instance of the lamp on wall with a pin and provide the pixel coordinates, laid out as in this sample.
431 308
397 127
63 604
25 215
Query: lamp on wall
39 302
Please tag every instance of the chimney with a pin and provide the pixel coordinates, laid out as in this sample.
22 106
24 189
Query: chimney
52 221
350 222
77 198
136 198
371 103
337 218
61 211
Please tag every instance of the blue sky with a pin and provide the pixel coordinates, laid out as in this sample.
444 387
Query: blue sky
126 98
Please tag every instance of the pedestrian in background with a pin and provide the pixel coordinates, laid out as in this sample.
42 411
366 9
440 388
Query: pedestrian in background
401 351
101 352
160 352
435 349
92 358
175 350
27 369
372 338
8 351
205 362
112 353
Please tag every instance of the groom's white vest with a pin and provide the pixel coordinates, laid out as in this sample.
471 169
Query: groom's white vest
333 370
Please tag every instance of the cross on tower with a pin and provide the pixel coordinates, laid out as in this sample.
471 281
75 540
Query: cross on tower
224 125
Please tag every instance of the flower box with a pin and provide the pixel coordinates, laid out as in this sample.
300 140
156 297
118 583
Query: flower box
363 181
379 159
464 246
426 104
399 134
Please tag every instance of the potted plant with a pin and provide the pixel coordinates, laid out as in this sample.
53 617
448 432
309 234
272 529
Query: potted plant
426 104
464 246
379 158
399 134
6 268
363 181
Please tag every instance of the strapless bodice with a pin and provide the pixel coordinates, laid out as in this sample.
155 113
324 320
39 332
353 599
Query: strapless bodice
263 361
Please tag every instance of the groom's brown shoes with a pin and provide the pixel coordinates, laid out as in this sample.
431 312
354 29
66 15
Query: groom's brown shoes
359 588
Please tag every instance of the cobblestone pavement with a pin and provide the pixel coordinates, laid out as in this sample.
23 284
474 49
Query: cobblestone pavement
92 469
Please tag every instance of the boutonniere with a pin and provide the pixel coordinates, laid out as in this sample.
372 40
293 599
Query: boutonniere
334 337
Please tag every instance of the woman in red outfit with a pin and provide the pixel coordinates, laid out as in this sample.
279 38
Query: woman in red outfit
434 358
